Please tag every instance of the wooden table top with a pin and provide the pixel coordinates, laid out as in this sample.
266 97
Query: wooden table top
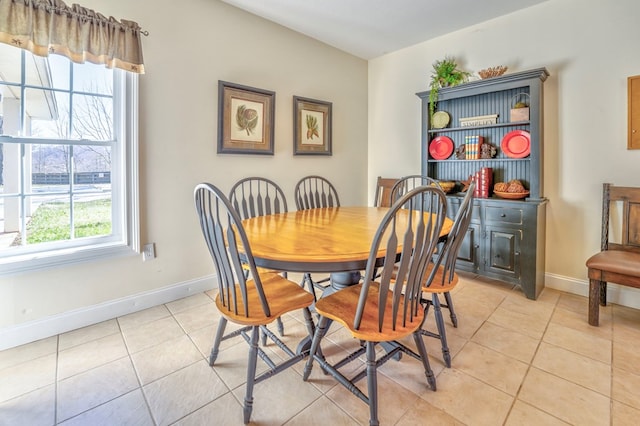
317 240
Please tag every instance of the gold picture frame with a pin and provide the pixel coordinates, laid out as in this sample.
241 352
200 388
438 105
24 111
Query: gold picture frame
311 127
246 118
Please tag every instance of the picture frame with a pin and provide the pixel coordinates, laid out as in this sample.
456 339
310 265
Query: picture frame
246 117
311 126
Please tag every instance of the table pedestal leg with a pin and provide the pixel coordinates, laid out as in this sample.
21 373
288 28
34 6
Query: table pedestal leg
340 280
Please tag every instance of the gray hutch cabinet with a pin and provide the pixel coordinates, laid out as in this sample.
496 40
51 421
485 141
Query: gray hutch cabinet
506 239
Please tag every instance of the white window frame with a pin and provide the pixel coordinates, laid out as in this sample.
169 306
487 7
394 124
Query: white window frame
125 104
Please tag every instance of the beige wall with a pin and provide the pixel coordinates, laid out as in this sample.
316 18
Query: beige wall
589 48
193 44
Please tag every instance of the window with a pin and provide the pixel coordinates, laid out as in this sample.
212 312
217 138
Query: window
68 169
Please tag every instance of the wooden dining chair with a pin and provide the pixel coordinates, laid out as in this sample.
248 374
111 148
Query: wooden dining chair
258 196
313 192
407 183
383 191
619 258
441 278
250 300
387 308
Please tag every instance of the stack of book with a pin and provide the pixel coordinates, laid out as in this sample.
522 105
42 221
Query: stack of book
484 182
472 145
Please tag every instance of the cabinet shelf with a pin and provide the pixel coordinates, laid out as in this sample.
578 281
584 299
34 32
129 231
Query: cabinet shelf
486 126
478 161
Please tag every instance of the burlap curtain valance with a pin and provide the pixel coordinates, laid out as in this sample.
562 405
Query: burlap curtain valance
50 26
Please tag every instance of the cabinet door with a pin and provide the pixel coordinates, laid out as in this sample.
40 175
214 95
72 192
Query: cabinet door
502 251
469 252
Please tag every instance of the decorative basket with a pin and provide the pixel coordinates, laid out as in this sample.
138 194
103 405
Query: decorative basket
519 114
492 72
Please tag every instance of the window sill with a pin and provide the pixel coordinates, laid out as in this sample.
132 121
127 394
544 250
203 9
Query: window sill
39 261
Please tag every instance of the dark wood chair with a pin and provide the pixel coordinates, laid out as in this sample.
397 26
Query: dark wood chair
386 308
441 278
258 196
383 191
313 192
619 258
251 300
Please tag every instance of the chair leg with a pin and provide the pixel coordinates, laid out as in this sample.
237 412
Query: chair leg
422 351
320 331
280 326
603 293
372 384
216 341
437 311
595 287
306 280
251 374
452 313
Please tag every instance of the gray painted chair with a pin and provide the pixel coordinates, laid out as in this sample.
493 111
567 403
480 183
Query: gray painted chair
445 279
258 196
312 192
250 300
407 183
388 308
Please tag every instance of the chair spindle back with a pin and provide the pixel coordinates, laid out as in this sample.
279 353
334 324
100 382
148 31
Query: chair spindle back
313 192
409 235
226 239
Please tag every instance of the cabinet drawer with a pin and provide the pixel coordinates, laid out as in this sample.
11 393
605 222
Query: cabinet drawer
504 215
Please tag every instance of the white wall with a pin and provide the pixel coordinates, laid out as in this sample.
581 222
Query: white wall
589 48
193 44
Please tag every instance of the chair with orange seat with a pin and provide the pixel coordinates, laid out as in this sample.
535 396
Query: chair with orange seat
385 308
314 192
258 196
250 300
444 279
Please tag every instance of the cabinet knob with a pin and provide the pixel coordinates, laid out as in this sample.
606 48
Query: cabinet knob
476 246
503 215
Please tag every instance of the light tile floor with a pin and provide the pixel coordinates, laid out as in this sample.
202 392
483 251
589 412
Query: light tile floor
515 362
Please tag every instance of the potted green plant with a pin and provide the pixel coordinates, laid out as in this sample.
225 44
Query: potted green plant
445 74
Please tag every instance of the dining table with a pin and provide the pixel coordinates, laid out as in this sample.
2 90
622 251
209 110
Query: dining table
335 240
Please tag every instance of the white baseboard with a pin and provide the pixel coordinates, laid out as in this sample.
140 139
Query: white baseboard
618 294
67 321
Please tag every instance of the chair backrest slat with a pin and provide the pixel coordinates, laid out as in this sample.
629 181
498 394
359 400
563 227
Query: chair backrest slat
407 183
449 251
620 217
313 192
409 234
383 191
228 245
257 196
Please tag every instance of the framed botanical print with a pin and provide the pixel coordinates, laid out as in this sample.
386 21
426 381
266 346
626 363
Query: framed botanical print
311 127
245 119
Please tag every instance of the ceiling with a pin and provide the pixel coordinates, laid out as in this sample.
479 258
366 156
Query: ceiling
370 28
